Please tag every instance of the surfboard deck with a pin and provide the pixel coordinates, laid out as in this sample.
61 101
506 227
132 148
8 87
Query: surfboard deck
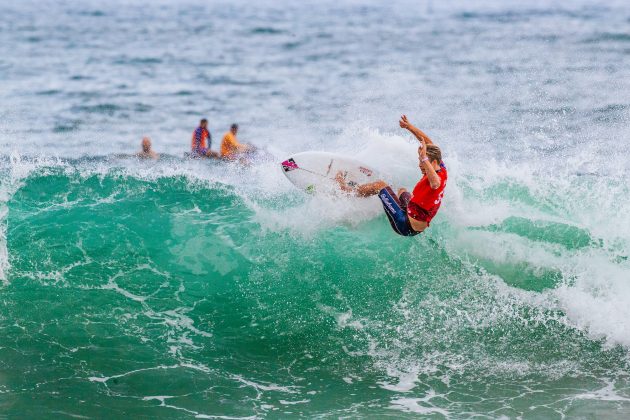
316 171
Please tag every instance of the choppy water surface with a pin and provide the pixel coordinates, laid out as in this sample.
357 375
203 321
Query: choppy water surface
183 288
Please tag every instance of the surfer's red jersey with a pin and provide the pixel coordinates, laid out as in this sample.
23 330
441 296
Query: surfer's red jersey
427 198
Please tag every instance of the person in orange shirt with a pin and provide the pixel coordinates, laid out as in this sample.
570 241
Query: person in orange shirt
230 146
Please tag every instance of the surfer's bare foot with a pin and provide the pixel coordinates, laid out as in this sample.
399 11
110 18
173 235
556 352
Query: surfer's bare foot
341 180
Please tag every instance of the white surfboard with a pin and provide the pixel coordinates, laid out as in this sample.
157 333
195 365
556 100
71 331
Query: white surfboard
316 171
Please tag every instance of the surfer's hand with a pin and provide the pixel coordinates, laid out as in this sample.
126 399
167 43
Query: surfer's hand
422 149
404 122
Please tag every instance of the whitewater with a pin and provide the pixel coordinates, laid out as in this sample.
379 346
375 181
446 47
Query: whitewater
184 288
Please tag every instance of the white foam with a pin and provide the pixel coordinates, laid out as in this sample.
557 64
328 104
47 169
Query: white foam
607 393
285 402
418 405
406 380
594 292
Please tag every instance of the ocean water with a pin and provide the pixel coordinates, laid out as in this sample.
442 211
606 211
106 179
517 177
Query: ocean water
181 289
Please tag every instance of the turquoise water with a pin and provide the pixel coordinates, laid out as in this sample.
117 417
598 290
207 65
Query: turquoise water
178 289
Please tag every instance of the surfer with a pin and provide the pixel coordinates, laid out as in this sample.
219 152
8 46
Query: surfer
202 141
231 148
410 213
147 152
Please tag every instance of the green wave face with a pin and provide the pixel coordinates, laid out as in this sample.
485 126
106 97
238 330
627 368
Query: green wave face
138 294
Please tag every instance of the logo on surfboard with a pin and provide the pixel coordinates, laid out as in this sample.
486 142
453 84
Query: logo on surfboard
365 171
289 165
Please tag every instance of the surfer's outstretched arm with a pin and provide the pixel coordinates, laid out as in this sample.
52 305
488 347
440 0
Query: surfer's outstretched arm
419 134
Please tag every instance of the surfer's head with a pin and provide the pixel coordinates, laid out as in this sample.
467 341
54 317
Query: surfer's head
203 123
434 154
146 144
234 128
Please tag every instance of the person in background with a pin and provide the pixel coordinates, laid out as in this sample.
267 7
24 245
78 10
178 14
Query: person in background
231 148
202 141
147 152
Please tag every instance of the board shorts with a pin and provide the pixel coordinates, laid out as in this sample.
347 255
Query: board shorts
396 211
418 213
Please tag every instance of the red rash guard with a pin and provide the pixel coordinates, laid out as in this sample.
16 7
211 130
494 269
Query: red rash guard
425 201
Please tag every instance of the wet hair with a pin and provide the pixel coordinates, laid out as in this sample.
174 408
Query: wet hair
234 127
434 153
203 121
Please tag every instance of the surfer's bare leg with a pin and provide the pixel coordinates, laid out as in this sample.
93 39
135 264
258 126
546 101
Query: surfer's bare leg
364 190
367 190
